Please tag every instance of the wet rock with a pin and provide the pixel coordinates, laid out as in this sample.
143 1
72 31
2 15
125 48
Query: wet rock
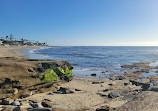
16 103
113 95
7 101
47 104
36 105
93 74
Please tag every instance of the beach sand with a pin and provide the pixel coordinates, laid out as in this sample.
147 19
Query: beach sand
14 51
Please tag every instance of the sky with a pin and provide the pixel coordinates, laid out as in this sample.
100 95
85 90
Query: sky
82 22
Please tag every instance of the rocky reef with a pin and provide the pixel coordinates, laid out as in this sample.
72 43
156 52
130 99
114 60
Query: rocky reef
20 78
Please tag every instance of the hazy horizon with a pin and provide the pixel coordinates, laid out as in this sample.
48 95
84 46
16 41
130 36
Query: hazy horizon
82 22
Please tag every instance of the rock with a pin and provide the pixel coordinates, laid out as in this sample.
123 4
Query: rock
22 107
64 90
145 81
93 74
78 90
113 95
154 88
47 104
104 108
47 100
36 105
126 84
10 107
117 78
15 91
134 82
97 82
59 106
16 103
26 95
7 101
24 103
40 109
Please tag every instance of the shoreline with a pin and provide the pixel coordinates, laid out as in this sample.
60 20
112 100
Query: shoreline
81 94
15 51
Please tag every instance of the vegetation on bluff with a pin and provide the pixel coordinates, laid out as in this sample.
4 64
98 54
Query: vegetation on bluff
57 73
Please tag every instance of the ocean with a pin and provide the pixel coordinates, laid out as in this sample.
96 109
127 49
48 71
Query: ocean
102 60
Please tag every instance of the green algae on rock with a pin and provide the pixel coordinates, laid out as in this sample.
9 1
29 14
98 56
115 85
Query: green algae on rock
57 73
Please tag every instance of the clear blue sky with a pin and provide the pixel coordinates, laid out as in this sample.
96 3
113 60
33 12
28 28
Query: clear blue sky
82 22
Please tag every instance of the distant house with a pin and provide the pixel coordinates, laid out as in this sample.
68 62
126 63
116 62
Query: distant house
1 42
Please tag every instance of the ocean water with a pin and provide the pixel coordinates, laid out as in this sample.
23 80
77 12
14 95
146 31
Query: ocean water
102 60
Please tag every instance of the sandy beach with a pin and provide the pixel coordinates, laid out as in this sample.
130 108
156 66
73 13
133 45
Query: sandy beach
14 51
80 94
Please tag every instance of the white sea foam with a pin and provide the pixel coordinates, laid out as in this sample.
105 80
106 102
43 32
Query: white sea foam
34 52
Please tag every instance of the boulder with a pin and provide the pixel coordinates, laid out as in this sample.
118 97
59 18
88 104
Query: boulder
15 91
64 90
47 104
154 88
134 82
93 74
7 101
16 103
10 107
36 105
113 95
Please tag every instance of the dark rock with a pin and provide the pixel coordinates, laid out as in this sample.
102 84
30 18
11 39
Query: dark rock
7 101
93 74
105 90
64 90
47 104
154 88
134 82
97 82
77 90
110 84
126 84
113 95
104 108
36 105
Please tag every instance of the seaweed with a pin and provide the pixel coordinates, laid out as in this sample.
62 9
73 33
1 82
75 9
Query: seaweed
57 73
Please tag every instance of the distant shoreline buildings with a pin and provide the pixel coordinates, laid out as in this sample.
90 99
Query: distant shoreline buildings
9 41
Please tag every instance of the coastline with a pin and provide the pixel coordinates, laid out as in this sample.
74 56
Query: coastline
14 51
82 94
